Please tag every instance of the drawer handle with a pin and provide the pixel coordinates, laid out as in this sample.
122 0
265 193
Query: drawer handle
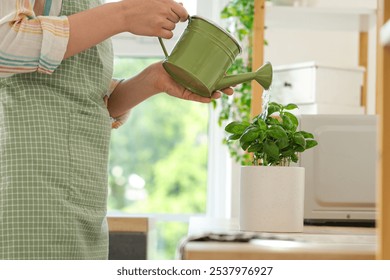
286 84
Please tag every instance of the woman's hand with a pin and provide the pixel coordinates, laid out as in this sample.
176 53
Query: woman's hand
152 17
152 80
142 17
164 83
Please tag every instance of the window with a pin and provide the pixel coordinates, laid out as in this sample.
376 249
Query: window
158 159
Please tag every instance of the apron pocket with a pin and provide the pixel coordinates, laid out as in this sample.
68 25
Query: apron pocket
88 145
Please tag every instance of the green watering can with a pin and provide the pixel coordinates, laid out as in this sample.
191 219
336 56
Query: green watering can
203 54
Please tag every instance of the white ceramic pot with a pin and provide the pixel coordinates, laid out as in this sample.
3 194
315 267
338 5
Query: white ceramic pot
272 198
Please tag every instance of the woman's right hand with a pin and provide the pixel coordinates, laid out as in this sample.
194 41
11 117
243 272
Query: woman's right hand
152 17
155 18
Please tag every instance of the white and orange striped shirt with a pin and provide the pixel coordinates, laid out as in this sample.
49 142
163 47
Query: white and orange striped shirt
30 42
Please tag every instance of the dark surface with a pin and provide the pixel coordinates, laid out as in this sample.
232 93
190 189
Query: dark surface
127 246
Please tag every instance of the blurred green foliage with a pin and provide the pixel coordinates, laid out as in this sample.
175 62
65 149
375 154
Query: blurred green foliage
238 16
158 159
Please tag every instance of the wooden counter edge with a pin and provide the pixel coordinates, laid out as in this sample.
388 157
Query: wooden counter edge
210 251
128 224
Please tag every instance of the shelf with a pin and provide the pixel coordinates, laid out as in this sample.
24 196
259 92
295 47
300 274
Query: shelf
320 18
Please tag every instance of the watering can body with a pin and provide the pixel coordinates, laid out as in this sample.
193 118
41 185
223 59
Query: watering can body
203 54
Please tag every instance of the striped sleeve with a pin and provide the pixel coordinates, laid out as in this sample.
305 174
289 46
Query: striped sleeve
28 42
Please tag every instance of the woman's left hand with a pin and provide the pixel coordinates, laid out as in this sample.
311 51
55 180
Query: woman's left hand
152 80
164 83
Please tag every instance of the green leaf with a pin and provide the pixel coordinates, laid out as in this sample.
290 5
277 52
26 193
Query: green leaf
288 153
306 134
291 106
214 103
277 132
234 137
255 148
299 139
287 123
293 119
236 127
272 121
250 134
271 149
282 142
273 107
311 143
245 145
300 149
261 123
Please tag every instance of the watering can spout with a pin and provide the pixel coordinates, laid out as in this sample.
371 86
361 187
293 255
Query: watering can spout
263 76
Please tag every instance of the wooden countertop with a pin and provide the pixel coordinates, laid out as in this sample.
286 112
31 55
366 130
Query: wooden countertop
129 224
316 242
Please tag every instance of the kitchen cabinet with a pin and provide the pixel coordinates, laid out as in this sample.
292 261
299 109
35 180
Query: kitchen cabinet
319 89
360 19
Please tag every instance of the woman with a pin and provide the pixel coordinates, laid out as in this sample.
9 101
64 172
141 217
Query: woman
55 117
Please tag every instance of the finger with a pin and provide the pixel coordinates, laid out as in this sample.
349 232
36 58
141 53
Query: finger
169 25
165 33
201 99
174 17
228 91
216 95
187 94
180 11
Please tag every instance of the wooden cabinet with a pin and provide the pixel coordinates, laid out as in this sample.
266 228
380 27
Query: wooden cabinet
383 105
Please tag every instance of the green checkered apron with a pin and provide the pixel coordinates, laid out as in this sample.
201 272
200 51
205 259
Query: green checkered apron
54 138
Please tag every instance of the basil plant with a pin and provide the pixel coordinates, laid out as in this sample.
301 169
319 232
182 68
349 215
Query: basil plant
272 137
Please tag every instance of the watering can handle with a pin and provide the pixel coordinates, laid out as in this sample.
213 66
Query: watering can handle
162 43
163 47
